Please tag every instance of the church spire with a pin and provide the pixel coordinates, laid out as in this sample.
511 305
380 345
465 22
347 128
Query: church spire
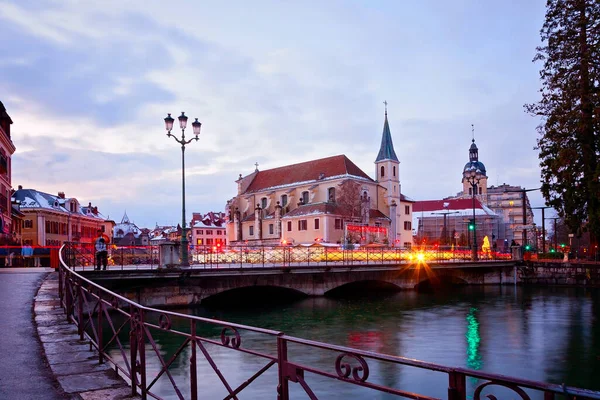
386 151
125 219
473 150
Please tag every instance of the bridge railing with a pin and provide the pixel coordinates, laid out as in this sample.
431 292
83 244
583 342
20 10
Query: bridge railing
129 335
274 256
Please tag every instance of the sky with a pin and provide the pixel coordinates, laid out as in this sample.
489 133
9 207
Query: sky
88 84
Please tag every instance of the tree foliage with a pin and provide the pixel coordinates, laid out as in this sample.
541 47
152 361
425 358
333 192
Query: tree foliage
348 199
569 108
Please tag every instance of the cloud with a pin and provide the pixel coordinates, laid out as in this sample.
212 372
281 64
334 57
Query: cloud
88 85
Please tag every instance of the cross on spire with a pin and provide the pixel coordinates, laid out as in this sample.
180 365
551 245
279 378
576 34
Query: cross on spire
386 103
473 132
256 165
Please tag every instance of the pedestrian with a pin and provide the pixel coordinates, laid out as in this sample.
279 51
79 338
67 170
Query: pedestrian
101 252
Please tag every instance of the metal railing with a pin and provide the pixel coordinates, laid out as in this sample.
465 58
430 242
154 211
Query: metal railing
263 256
124 333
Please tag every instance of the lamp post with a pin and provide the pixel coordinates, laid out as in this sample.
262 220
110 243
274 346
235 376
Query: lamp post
543 227
196 127
473 177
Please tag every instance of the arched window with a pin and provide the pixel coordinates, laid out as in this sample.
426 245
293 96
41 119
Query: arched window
394 170
284 200
480 190
305 197
263 203
331 194
382 171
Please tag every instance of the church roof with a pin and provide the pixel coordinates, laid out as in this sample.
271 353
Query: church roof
386 151
305 173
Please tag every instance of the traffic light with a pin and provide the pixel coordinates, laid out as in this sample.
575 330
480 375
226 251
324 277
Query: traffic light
562 245
527 247
471 225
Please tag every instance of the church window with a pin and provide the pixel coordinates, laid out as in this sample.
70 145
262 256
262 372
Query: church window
251 230
305 197
316 223
394 170
480 190
263 203
382 171
394 188
283 200
271 230
289 226
331 194
407 210
470 191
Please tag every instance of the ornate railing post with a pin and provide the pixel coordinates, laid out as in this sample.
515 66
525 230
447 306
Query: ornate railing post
141 343
283 392
133 350
68 297
456 386
100 322
80 295
193 372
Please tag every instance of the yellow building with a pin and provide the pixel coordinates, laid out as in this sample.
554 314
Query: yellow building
328 200
50 220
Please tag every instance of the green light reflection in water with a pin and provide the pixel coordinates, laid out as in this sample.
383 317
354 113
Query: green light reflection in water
473 340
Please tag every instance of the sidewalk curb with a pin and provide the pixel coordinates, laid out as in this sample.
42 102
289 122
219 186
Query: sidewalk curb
73 362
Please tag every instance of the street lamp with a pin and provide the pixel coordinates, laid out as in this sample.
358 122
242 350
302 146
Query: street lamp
473 176
196 128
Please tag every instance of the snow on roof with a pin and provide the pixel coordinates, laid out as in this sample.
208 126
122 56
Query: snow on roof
31 198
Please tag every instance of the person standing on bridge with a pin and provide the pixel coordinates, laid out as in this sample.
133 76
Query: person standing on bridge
101 251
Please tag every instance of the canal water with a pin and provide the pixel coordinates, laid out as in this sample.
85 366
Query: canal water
543 334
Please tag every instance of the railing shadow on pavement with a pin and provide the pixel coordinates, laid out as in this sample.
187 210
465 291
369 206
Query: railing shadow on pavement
124 333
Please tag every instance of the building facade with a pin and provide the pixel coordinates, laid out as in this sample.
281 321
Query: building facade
328 200
7 149
208 230
50 220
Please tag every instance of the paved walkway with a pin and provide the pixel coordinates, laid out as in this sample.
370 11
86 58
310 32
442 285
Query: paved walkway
24 374
43 358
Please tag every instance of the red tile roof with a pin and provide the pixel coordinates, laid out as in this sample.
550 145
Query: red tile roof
318 208
305 172
452 204
376 214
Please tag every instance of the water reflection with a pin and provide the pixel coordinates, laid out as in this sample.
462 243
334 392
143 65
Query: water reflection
473 340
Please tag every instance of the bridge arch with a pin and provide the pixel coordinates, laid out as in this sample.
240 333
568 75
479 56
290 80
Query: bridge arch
253 294
363 286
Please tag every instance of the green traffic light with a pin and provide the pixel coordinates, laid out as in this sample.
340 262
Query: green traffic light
551 250
527 247
562 245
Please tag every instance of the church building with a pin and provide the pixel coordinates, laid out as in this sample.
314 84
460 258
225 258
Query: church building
325 201
498 212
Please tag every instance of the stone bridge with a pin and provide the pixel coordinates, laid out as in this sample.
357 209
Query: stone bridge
179 287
